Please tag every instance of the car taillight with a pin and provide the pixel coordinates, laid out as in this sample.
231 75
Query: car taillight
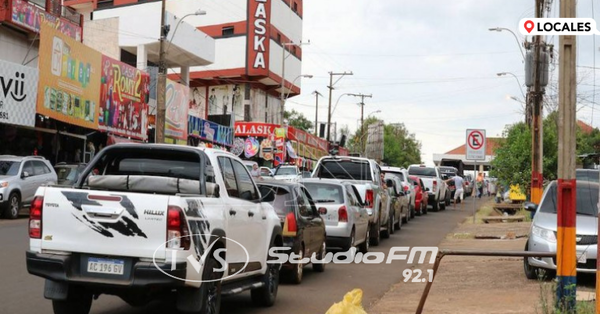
434 186
35 218
343 214
369 198
178 235
290 227
406 188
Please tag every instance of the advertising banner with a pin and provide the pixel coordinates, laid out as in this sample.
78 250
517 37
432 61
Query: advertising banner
177 110
210 131
266 149
254 129
124 95
32 17
69 84
251 147
18 93
259 34
238 146
279 146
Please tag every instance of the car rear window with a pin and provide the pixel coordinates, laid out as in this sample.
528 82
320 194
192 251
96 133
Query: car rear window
422 171
397 174
283 201
66 173
345 169
588 175
325 193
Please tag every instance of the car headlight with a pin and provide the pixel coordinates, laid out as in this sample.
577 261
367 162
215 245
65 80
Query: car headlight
3 184
545 234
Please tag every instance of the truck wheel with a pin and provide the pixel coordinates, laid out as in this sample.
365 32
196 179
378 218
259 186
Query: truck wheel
443 206
412 211
295 275
398 225
392 224
210 292
320 267
350 242
386 233
78 301
435 206
14 205
364 247
375 234
266 295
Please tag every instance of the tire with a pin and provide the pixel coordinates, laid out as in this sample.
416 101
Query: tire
210 292
424 209
267 294
320 267
435 206
296 274
364 247
412 211
393 223
375 234
531 272
398 225
14 205
78 301
350 242
443 206
386 234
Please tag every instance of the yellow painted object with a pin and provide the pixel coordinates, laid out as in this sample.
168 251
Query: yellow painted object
515 193
351 304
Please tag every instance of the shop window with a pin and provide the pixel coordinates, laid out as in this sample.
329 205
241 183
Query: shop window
227 31
247 113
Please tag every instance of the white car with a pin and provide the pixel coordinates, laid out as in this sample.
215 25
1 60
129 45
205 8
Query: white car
146 221
290 173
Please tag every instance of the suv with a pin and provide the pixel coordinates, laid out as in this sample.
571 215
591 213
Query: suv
287 172
20 177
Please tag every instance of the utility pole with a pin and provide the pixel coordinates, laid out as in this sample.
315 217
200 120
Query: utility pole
566 247
536 97
161 87
362 114
317 94
331 83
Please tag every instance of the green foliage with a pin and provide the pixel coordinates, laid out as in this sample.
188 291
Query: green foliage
298 120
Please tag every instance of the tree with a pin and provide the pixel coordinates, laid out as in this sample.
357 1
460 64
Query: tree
298 120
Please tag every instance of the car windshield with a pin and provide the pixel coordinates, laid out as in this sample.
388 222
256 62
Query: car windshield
422 171
345 169
588 175
9 168
397 174
286 171
67 173
325 193
587 200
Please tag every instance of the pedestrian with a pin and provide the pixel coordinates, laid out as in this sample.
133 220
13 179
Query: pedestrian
459 192
255 172
479 185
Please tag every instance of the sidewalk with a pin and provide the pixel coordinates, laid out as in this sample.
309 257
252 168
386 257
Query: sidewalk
466 284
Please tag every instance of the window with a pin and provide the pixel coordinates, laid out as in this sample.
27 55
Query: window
304 204
228 176
282 202
345 169
227 31
245 184
28 167
325 193
586 199
9 168
422 171
39 168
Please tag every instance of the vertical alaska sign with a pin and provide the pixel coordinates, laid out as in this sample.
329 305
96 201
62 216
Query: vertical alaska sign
259 24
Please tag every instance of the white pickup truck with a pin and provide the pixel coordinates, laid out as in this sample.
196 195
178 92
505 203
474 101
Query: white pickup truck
146 220
432 179
365 175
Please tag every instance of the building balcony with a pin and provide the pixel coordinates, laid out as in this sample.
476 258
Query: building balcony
28 15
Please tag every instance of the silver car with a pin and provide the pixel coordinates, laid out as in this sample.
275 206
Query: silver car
346 219
542 236
20 177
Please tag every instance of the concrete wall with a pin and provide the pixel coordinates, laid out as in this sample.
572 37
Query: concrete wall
14 47
103 35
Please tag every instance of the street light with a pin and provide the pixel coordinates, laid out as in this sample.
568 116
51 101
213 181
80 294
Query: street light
376 111
516 78
499 29
283 58
308 76
197 13
338 100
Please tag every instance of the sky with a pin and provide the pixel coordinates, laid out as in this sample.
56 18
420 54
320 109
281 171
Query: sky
431 65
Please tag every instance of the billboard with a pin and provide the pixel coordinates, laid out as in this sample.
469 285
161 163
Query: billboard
32 17
177 106
18 93
69 83
198 102
374 144
124 95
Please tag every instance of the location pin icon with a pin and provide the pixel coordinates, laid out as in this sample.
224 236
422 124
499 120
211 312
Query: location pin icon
528 26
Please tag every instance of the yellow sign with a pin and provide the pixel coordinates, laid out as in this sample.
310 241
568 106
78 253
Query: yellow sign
69 85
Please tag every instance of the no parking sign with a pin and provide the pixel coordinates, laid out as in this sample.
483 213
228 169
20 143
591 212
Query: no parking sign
475 144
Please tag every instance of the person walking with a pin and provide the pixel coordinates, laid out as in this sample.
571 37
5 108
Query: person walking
459 192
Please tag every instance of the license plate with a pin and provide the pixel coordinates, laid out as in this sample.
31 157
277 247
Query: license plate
582 258
105 266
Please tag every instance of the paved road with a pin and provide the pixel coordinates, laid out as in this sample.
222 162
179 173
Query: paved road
23 293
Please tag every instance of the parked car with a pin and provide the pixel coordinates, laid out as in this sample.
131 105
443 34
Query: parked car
266 172
365 175
249 164
346 219
287 172
590 175
68 174
20 177
542 235
406 186
153 220
303 226
400 200
468 185
433 181
448 173
421 195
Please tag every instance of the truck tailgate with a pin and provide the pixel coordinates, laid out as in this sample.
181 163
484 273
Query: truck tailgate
104 222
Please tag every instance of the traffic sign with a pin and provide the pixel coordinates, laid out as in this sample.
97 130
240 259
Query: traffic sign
475 144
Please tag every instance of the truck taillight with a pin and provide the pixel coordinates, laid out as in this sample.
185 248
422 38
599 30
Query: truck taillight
369 198
434 186
343 214
35 218
178 235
